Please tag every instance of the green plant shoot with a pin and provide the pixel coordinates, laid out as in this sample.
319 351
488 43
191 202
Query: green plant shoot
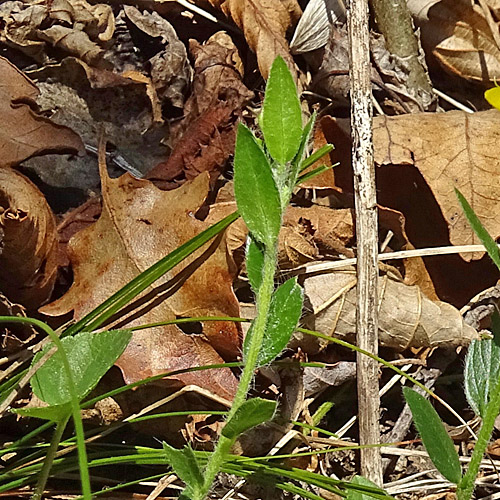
265 173
482 382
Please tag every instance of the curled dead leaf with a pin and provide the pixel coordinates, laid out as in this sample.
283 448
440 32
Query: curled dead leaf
169 68
73 26
28 241
406 317
457 33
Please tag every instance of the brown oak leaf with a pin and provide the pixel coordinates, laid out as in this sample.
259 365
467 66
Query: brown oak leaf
139 225
264 24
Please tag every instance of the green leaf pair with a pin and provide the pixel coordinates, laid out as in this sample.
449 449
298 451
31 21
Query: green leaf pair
482 389
251 413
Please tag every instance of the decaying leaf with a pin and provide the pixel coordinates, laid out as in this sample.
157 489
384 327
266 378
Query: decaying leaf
264 24
457 33
88 99
73 26
451 150
23 133
205 138
139 225
170 69
406 317
28 241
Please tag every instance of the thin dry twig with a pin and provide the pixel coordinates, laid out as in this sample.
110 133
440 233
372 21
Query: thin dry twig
367 239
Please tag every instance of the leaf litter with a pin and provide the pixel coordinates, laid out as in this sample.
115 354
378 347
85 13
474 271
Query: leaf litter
168 89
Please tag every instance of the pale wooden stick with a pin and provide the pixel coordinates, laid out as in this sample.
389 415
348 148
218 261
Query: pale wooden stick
367 237
317 267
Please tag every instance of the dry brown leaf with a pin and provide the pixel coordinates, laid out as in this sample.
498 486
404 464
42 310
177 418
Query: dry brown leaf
264 24
453 149
25 134
406 317
28 241
73 26
457 33
317 232
204 139
139 225
170 69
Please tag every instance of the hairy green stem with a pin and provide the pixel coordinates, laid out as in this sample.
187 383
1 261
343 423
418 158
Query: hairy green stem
263 304
49 459
75 404
466 485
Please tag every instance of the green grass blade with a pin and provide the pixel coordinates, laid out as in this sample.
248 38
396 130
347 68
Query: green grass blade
317 155
488 242
122 297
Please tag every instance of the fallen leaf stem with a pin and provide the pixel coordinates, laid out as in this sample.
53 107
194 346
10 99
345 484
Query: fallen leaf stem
264 295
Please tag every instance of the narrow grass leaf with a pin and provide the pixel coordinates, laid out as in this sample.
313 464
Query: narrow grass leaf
54 413
479 229
252 412
90 356
255 191
436 440
281 121
254 262
296 165
364 493
317 155
313 173
186 467
122 297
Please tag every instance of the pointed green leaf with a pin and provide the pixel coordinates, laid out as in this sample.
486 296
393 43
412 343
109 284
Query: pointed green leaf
291 172
317 155
281 121
284 315
304 141
55 413
313 173
482 370
252 412
186 467
254 262
255 191
436 440
90 356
